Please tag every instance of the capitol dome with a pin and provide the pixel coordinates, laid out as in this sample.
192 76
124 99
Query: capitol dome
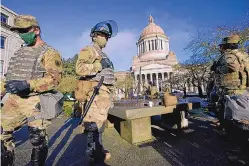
152 29
153 44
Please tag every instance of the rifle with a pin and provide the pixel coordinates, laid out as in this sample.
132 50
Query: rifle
95 92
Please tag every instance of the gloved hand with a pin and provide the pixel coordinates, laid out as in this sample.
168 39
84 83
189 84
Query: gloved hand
106 63
17 87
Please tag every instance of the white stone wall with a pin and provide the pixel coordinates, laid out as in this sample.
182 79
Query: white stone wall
12 42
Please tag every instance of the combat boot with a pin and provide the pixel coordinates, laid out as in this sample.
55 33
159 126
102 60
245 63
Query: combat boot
39 155
40 150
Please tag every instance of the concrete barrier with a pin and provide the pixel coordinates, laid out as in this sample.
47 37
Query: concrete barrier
134 124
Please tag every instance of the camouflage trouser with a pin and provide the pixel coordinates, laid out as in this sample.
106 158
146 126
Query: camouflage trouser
95 149
94 124
14 114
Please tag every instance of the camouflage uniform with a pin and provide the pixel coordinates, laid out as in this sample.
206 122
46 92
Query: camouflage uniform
231 78
41 67
154 92
90 66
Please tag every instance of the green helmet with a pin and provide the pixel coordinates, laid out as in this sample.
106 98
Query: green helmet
109 28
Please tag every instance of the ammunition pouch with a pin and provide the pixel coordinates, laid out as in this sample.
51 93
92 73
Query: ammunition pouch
51 105
82 89
86 85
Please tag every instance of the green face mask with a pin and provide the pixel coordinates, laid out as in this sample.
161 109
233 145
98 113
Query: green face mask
29 38
101 41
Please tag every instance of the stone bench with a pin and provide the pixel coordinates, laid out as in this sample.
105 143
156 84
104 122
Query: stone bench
135 123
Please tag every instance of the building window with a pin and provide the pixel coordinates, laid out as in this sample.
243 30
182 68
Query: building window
152 44
4 18
162 44
149 46
3 40
1 67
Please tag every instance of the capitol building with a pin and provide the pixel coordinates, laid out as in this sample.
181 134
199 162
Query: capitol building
154 60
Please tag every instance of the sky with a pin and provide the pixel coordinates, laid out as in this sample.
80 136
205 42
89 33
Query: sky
66 24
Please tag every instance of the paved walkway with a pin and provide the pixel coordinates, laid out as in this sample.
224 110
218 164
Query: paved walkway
197 145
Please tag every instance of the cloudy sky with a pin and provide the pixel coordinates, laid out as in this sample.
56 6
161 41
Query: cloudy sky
66 24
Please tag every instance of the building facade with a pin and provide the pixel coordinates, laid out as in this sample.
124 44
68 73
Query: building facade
154 60
10 41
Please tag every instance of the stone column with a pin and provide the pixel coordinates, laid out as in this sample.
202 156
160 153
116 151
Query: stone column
157 84
163 76
151 79
157 40
147 46
137 49
146 79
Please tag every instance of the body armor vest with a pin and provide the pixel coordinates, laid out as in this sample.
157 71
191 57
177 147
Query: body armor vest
26 63
237 80
108 73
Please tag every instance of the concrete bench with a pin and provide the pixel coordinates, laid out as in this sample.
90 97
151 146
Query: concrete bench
135 123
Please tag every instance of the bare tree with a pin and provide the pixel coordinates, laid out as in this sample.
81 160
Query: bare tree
204 49
125 84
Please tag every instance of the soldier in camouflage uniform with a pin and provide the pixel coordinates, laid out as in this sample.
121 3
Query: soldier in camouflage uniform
154 91
231 71
34 69
231 79
93 63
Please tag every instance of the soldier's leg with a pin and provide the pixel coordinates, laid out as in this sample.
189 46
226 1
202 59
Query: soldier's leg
11 118
39 139
99 151
96 117
95 150
89 130
37 130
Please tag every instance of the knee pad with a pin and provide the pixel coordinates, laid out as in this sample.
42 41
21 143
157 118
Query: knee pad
37 137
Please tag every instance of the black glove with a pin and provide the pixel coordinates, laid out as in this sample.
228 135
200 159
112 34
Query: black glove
17 87
106 63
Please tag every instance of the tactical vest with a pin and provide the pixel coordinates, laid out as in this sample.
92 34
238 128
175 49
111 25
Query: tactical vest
238 80
26 63
108 73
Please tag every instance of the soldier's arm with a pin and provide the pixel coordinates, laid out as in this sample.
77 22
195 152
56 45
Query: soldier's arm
3 90
87 63
52 63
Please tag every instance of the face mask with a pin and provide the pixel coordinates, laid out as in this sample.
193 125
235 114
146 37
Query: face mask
29 38
101 41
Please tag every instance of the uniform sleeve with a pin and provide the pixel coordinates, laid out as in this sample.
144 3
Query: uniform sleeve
87 63
52 63
3 90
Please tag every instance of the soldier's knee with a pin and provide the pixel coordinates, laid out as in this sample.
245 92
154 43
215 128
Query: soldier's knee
37 137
